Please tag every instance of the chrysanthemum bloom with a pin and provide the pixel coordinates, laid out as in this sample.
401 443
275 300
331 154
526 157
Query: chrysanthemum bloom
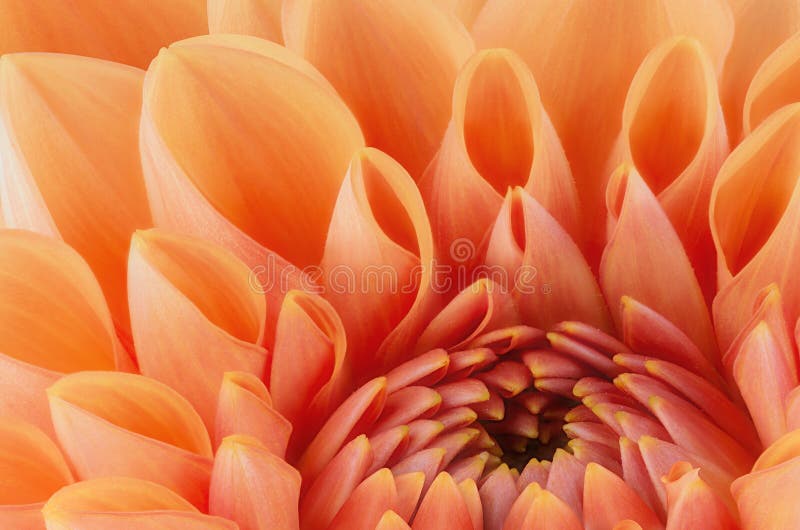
427 264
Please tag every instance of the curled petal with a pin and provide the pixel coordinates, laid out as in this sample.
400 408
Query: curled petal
115 424
692 503
600 512
68 144
123 503
774 84
406 52
253 486
260 18
194 316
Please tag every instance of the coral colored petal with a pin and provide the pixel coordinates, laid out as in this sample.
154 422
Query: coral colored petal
406 52
253 486
22 392
766 499
409 491
260 18
774 84
607 500
548 512
428 368
194 315
367 504
443 507
111 423
498 493
644 259
692 503
469 492
70 158
565 479
391 521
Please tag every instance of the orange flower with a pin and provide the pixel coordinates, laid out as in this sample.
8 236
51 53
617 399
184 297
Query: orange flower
407 264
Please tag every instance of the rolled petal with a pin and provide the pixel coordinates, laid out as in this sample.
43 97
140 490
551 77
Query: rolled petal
750 47
274 150
253 486
755 210
608 500
644 259
245 407
68 144
260 18
115 424
562 42
128 31
194 315
673 132
774 84
692 503
407 52
122 503
443 507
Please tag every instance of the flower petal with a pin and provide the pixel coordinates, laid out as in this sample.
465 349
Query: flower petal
766 498
692 503
443 507
368 502
607 500
548 512
391 521
407 52
466 10
774 84
260 18
111 423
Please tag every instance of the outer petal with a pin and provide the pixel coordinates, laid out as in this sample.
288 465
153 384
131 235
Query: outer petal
406 52
608 500
70 163
766 497
499 137
260 18
194 315
774 84
252 168
673 132
391 521
466 10
443 507
692 503
253 486
121 503
368 502
114 424
755 214
644 259
751 45
562 41
548 512
128 31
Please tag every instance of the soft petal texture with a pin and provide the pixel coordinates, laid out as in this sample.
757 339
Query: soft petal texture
253 168
543 267
443 507
260 18
466 10
112 424
499 137
391 521
394 64
755 215
692 503
245 407
122 503
70 162
761 26
563 41
368 502
253 486
644 259
547 512
99 29
194 315
774 84
377 260
674 134
608 500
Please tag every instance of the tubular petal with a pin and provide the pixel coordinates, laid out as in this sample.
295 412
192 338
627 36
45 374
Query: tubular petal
443 507
608 500
766 499
692 503
253 486
644 259
70 160
99 29
774 84
193 315
110 423
274 150
406 52
260 18
122 503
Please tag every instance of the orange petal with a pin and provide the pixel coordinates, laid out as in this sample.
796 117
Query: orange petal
367 504
466 10
469 492
70 158
644 259
127 32
443 507
548 512
194 315
498 493
376 265
774 84
274 151
499 137
253 486
607 500
111 423
407 52
755 212
543 267
562 42
391 521
565 479
245 407
22 392
260 18
766 498
122 503
750 47
692 503
675 90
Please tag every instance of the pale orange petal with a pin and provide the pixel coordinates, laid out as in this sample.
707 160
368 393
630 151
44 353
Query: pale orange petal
368 502
260 18
774 84
466 10
548 512
253 486
607 500
391 521
498 493
70 158
112 424
406 52
692 503
127 31
766 498
443 507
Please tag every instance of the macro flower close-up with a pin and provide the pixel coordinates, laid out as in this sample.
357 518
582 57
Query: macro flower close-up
399 264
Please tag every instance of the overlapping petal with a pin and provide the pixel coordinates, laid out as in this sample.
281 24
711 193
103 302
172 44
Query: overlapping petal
774 84
260 18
